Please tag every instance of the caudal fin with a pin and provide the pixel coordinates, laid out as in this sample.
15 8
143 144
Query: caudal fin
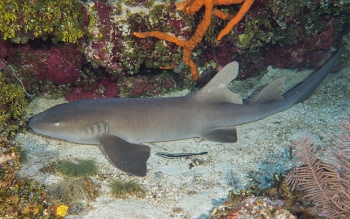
304 90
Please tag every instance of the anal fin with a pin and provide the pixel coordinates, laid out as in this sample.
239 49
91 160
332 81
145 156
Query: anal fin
226 134
126 156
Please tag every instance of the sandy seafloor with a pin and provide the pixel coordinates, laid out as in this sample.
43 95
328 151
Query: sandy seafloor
173 190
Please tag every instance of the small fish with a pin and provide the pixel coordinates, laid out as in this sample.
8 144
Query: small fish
178 155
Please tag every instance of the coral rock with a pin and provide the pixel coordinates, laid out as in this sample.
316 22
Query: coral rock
61 68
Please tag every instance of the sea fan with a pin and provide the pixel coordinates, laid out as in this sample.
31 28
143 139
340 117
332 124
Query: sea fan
326 184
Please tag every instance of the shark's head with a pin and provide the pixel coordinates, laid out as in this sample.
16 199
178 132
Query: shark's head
60 122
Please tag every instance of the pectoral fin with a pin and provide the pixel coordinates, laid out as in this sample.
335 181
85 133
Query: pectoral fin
221 134
127 157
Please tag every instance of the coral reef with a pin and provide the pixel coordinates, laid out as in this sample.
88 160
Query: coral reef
61 66
276 201
112 47
57 69
106 41
274 29
252 207
190 7
44 68
21 198
103 46
59 63
6 50
105 88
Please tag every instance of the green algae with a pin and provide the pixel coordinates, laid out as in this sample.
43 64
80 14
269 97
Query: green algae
20 20
75 190
76 185
121 189
82 169
13 105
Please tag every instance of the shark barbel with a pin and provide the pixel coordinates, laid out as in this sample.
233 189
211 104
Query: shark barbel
121 125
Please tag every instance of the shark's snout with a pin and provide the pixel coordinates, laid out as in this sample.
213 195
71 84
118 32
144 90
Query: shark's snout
36 125
33 122
41 123
55 123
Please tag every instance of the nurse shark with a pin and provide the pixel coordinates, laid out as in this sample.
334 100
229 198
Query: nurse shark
121 125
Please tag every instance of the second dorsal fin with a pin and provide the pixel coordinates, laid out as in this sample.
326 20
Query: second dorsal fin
270 93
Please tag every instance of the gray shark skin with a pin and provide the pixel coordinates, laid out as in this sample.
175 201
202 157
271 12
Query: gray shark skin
120 125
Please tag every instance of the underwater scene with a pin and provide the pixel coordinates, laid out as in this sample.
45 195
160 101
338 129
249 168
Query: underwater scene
188 109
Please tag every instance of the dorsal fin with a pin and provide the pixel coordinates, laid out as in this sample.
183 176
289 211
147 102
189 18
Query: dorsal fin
271 92
216 90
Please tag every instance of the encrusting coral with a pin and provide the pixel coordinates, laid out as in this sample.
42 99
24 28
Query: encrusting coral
190 7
